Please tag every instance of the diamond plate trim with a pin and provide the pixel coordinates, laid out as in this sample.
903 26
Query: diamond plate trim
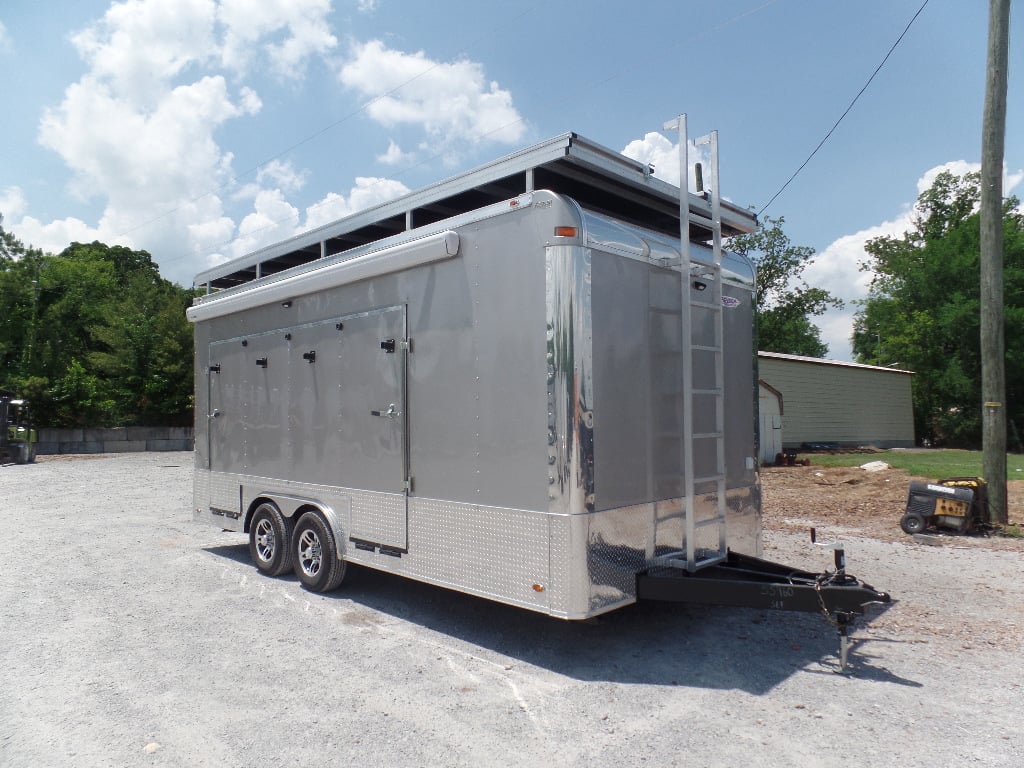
488 551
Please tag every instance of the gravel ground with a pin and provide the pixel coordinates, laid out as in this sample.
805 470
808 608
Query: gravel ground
131 635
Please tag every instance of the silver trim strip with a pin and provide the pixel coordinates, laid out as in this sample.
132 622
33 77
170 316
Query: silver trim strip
427 250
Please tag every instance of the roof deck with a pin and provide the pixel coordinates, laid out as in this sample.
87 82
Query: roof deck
596 177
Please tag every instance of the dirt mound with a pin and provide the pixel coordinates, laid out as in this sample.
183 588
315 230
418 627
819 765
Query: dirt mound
851 501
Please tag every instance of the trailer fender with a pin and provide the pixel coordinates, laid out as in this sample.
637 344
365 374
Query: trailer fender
296 506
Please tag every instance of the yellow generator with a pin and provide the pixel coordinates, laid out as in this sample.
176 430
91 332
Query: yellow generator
956 505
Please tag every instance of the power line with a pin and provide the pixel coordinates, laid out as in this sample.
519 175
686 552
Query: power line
847 111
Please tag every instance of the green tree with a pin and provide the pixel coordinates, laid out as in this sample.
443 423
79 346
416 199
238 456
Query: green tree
923 311
94 336
19 270
784 303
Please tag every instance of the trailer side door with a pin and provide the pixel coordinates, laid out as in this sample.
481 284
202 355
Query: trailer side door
373 421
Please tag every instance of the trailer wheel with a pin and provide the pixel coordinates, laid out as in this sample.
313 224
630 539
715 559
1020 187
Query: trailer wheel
912 524
316 555
270 540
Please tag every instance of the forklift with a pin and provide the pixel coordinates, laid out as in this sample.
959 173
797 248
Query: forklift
17 431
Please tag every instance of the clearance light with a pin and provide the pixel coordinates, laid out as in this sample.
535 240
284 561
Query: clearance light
565 232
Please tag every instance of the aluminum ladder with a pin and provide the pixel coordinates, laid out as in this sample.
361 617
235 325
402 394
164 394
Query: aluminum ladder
699 354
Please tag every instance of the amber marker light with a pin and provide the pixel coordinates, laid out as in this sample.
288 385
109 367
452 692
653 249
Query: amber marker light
538 587
565 231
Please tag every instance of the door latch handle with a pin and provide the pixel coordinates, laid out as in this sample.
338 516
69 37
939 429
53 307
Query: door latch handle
214 415
390 413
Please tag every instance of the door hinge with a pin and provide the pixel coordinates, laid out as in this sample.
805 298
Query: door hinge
407 345
407 485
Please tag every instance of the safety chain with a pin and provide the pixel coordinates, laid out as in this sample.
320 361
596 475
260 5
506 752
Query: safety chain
819 582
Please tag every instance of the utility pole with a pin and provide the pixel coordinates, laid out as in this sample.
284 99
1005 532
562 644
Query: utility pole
993 341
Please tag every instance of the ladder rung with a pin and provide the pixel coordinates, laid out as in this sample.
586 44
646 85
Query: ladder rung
706 348
707 435
708 264
678 560
717 391
709 521
708 479
711 560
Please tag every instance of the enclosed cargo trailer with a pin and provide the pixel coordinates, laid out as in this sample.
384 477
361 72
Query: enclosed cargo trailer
520 383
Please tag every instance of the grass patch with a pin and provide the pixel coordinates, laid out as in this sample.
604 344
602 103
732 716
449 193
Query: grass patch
933 464
1012 532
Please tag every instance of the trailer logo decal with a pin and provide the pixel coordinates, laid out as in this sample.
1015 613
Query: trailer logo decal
730 302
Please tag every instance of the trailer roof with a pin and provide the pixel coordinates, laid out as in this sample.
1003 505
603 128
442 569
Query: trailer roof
597 177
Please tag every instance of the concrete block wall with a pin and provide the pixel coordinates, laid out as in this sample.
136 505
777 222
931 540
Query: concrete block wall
114 440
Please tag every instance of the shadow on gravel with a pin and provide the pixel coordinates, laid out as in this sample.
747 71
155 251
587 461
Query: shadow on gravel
237 552
647 643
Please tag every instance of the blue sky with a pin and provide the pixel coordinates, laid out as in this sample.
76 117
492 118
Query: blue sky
201 129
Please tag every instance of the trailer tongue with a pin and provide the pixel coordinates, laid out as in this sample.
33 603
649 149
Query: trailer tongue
749 582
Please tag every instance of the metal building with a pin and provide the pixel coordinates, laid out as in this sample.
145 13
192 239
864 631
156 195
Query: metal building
849 404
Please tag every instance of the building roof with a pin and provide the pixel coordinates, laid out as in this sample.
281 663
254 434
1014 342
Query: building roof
837 363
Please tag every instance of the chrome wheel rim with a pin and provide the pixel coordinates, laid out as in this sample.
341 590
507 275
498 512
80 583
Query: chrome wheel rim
266 541
310 556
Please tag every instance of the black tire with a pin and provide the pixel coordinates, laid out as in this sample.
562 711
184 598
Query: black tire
315 554
912 524
270 540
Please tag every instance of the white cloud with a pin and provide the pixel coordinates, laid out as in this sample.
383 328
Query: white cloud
134 155
272 219
395 155
837 270
138 129
55 236
5 38
367 193
367 6
453 103
837 267
140 45
299 29
12 203
282 175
